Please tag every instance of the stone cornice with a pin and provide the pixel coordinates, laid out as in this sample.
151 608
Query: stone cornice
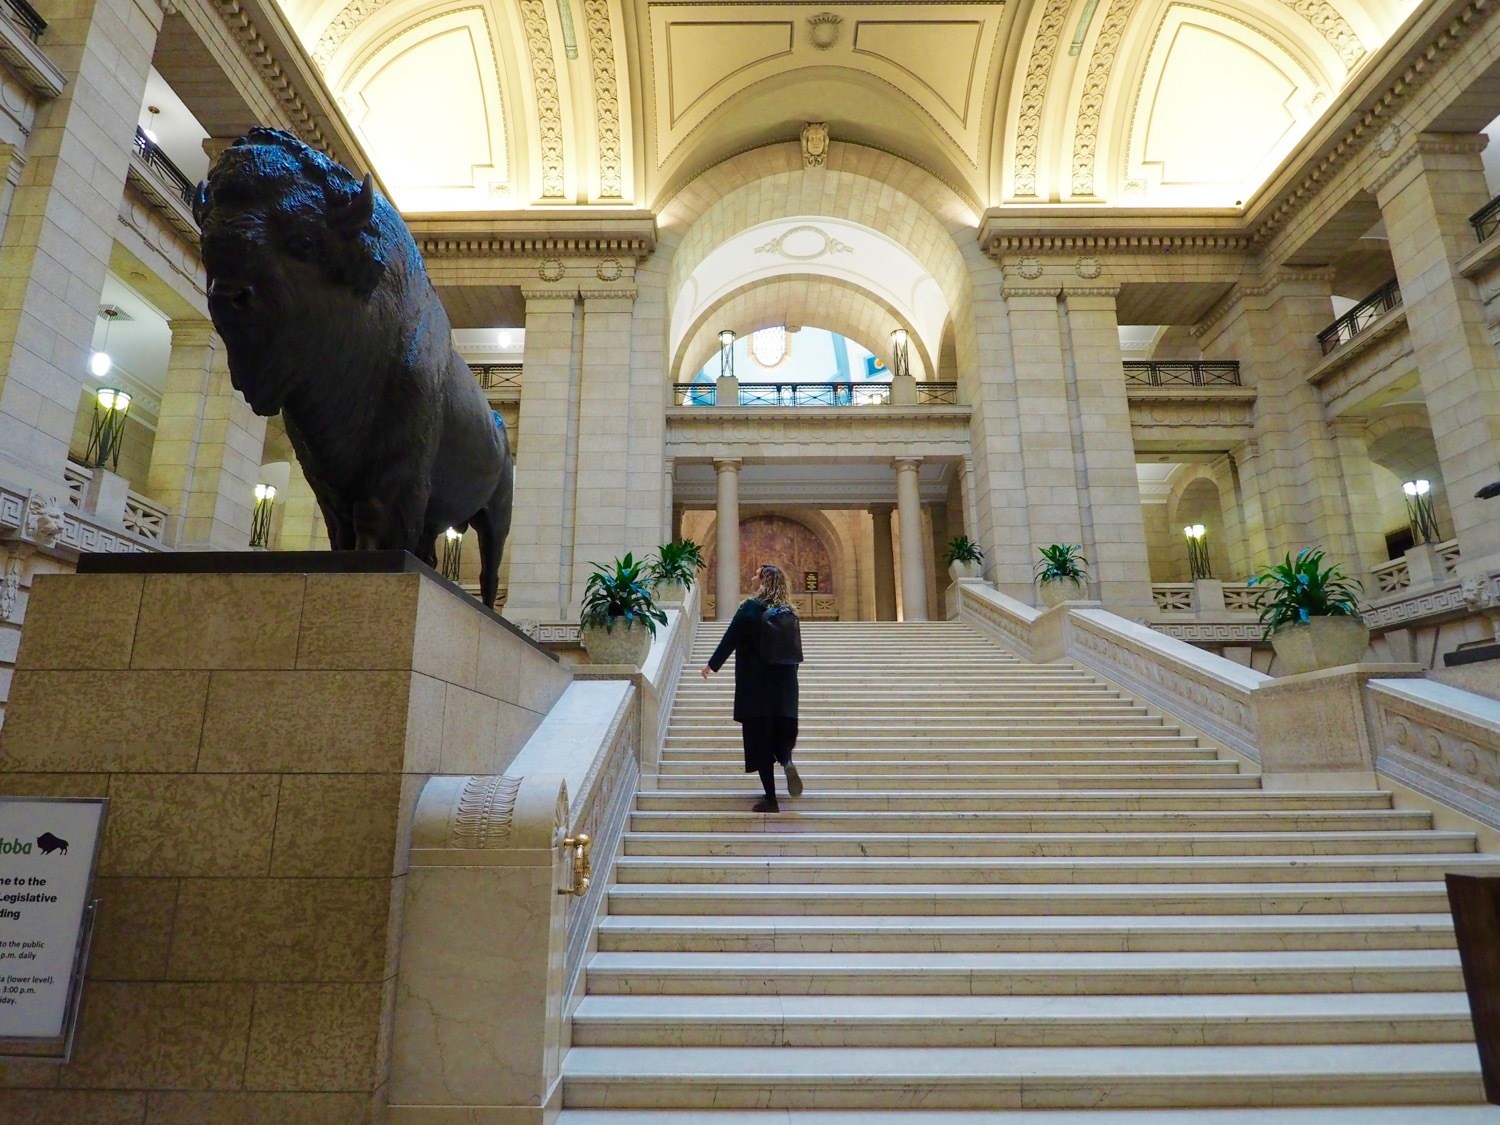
1006 232
1372 112
538 234
1283 276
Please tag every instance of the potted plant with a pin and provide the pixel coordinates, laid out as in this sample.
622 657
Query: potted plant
1060 574
619 613
964 558
673 570
1311 614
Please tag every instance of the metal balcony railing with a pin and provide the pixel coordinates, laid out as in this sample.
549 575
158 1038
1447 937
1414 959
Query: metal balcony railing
1360 317
24 16
497 376
1486 221
813 394
158 161
1184 373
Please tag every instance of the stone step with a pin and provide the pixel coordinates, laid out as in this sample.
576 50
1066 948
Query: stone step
1020 1021
733 933
823 728
964 900
1178 972
833 785
1015 737
1143 800
1000 1077
974 844
928 759
1300 1115
693 773
1050 870
1379 817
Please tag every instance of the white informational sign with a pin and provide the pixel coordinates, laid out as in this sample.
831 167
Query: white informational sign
47 852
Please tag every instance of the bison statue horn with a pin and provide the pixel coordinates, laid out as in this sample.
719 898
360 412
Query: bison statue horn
328 318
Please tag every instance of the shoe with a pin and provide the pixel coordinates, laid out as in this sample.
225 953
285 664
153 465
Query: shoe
766 804
793 780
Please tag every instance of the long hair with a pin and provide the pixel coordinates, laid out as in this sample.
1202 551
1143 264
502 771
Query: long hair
772 589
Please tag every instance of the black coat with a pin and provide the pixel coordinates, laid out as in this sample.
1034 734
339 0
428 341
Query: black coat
761 690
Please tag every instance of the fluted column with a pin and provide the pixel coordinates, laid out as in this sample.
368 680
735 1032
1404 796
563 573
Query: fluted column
913 557
885 563
727 588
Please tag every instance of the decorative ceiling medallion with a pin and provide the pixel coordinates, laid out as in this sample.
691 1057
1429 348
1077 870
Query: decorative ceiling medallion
1087 268
609 270
551 269
824 30
804 244
814 143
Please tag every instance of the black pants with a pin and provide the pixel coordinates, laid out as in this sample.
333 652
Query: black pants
768 740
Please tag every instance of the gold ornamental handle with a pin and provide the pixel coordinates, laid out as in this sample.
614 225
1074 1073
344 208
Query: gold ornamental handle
581 870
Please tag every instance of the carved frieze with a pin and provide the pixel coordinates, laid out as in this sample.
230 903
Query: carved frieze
548 96
606 98
1034 95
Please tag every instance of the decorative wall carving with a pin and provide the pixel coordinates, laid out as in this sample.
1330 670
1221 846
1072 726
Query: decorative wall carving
350 16
548 97
606 98
823 30
280 84
1034 95
1333 27
550 269
815 243
1095 83
814 144
1450 755
482 815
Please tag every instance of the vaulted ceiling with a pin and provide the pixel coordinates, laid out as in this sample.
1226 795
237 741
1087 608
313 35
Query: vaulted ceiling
473 105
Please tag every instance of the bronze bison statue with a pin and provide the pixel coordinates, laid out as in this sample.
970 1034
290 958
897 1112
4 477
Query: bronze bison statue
324 305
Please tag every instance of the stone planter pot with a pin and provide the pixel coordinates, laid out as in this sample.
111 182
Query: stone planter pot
625 644
1324 642
1061 590
670 595
959 570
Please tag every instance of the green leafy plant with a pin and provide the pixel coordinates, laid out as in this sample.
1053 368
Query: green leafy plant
962 549
620 592
1297 590
676 562
1061 561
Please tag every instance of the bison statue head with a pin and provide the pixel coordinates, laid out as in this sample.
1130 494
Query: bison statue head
293 245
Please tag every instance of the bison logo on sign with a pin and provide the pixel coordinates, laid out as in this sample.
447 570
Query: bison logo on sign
47 844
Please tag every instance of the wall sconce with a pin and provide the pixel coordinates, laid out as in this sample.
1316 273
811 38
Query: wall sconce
107 428
1197 545
260 521
899 365
726 353
1419 513
453 549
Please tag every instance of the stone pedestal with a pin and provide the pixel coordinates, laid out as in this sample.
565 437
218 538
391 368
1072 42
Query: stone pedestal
104 496
262 738
1313 730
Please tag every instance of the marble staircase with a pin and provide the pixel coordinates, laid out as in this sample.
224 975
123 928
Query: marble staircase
1012 894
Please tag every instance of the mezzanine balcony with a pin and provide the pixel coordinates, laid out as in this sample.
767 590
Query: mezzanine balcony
1361 317
1486 221
814 394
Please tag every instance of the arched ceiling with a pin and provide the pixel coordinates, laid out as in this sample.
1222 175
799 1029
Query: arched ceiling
473 105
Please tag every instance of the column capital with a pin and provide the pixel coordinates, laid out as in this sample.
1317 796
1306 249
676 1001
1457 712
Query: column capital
882 509
727 464
190 332
543 296
905 464
1347 427
1404 152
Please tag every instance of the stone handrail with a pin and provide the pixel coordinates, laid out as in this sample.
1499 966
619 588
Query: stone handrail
1210 693
1439 740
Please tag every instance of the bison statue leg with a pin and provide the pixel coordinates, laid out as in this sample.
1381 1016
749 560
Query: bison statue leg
492 524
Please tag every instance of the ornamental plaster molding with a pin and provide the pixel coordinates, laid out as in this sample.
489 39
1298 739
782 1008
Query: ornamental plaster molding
823 30
1000 245
483 812
548 96
1086 127
1088 267
1327 22
1356 139
550 269
830 245
262 56
1034 95
339 29
1010 291
606 98
1222 632
537 246
814 144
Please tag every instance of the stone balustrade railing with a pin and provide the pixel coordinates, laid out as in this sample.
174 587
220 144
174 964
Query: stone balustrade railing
1438 740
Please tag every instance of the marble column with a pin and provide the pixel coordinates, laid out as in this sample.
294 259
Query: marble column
727 588
885 563
205 461
541 538
913 552
63 215
1426 197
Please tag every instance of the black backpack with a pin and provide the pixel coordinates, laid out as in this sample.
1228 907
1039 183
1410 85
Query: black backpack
780 640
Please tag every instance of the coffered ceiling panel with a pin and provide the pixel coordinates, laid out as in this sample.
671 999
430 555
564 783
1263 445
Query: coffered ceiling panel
707 58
